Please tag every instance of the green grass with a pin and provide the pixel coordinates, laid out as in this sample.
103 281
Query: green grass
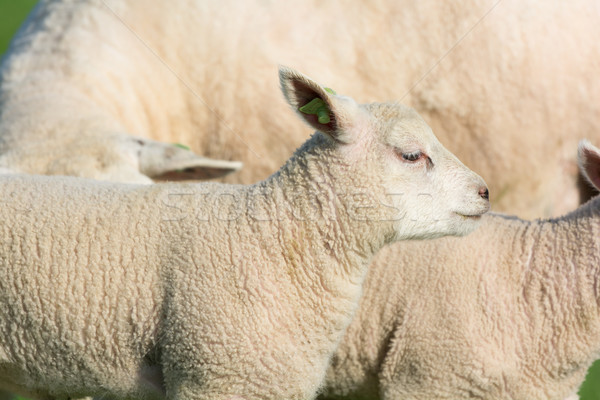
590 390
12 14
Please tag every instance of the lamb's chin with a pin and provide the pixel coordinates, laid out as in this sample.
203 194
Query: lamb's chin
474 217
467 223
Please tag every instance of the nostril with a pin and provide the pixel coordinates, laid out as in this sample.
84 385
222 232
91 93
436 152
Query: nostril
483 192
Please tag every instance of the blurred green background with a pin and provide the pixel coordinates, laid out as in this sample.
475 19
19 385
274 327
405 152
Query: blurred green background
12 14
590 390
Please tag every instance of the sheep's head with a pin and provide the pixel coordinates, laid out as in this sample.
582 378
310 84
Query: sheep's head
430 192
165 161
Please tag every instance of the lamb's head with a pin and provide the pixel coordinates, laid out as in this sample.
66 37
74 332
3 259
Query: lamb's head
424 189
139 160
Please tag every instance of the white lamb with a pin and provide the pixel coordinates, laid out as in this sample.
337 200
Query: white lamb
510 312
504 83
212 291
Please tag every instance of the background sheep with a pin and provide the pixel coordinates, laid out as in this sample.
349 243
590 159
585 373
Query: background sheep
504 83
510 312
56 129
170 290
82 151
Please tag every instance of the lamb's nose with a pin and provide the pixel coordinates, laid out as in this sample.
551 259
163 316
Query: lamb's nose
484 193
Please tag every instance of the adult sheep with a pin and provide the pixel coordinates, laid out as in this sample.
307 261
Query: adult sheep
511 312
211 291
506 84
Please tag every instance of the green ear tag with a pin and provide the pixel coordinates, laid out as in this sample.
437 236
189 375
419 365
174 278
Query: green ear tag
319 108
181 146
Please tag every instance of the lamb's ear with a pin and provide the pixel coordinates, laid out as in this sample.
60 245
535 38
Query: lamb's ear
320 107
589 162
165 161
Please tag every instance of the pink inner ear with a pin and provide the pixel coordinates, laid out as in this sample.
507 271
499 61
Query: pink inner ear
314 121
304 94
591 166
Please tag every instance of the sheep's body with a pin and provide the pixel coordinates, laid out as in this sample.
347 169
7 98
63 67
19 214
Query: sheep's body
215 291
510 312
513 91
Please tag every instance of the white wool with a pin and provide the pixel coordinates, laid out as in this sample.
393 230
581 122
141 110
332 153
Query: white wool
212 291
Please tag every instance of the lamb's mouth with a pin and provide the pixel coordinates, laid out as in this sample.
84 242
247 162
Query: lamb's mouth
467 216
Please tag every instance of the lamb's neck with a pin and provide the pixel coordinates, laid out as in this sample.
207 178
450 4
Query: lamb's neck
316 192
324 252
562 288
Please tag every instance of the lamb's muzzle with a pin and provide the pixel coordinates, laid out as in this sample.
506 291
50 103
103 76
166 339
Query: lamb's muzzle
484 193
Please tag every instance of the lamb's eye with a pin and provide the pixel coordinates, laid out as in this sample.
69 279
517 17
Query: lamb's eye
412 157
